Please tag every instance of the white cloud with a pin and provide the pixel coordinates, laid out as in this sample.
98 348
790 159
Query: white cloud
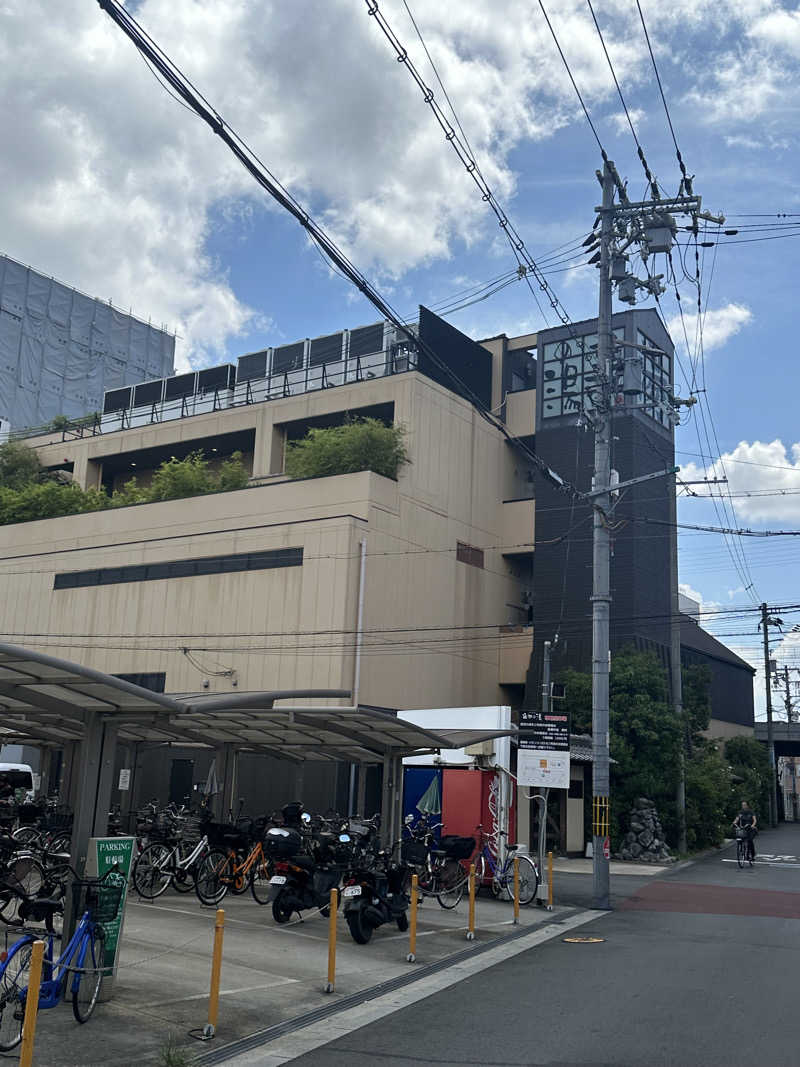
719 325
781 29
758 467
693 594
110 185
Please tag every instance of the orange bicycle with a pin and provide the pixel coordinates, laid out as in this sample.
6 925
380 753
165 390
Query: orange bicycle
233 863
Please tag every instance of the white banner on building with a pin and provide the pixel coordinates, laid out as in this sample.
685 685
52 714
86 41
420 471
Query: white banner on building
537 766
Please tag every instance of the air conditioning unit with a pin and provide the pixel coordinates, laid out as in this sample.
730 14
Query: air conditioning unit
483 748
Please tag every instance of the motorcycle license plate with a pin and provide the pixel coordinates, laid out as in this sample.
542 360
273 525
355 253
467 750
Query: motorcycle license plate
277 879
352 891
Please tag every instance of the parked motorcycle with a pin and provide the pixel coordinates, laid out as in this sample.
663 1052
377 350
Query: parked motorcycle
375 896
300 882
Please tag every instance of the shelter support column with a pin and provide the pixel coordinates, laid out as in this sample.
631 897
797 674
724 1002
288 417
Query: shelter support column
45 766
93 780
386 802
227 758
361 803
69 777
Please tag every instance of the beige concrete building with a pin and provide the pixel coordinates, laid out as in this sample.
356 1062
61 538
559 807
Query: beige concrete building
260 588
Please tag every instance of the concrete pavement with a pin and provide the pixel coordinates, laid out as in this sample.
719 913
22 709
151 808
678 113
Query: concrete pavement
694 968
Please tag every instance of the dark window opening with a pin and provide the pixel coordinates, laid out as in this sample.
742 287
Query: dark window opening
298 429
181 568
155 681
469 554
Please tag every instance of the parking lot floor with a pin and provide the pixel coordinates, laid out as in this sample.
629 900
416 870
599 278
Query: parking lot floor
270 973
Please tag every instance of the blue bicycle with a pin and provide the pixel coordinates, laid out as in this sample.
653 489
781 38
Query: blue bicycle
80 967
487 865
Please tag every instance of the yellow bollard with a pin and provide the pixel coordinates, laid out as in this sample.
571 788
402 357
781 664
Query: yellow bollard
216 969
471 930
31 1005
549 881
412 921
332 941
516 891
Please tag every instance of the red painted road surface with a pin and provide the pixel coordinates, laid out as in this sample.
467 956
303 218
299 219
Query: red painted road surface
713 900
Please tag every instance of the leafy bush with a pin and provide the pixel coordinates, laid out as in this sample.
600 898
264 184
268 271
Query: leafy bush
19 465
708 790
358 445
23 497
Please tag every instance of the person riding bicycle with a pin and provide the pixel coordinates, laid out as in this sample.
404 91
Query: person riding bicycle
746 821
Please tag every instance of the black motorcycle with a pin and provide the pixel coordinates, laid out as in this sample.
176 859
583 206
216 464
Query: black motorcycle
299 881
373 897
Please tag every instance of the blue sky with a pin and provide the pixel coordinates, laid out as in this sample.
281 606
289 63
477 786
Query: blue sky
114 188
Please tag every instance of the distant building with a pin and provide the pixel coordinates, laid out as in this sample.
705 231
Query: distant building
61 350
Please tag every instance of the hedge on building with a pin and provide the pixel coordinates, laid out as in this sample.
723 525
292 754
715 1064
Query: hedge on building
646 740
356 445
27 492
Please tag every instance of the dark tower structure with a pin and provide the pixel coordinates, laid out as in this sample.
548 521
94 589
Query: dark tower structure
643 542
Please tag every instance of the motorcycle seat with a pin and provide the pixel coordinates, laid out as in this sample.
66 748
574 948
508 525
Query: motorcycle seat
305 862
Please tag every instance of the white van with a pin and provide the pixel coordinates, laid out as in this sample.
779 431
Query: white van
19 776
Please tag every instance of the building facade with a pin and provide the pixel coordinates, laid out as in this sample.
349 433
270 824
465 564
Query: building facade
414 592
61 350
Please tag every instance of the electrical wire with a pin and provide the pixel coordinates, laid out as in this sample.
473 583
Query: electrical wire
648 174
256 168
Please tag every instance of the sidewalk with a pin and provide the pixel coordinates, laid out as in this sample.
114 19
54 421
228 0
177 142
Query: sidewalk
579 865
270 974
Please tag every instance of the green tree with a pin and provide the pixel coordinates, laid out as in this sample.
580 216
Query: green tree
751 776
181 477
708 790
644 738
19 465
357 445
232 474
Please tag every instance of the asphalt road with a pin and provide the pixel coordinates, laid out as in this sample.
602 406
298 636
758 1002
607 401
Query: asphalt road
695 968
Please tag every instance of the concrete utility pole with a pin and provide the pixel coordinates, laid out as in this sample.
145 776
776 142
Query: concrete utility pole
788 697
601 561
650 225
773 800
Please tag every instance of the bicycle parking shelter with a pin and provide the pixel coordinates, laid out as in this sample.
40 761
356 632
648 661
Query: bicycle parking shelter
57 704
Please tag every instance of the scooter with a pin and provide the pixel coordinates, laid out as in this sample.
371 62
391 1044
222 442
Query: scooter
300 882
374 897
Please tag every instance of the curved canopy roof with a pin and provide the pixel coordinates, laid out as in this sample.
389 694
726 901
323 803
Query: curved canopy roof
45 700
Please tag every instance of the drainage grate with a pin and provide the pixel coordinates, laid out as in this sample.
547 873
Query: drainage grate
270 1033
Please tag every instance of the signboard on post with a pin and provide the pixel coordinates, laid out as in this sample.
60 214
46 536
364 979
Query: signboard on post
543 754
124 778
114 855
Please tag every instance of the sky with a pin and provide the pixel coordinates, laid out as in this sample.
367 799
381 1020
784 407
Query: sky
112 186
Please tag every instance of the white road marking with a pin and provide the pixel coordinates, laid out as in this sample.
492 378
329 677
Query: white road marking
767 863
299 1042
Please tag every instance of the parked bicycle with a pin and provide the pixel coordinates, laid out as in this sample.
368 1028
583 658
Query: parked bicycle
488 865
80 968
170 861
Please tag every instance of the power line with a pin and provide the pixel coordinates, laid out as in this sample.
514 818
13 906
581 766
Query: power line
256 168
650 179
461 148
687 181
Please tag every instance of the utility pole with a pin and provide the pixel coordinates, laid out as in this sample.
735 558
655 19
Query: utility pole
650 225
676 676
601 561
788 697
773 800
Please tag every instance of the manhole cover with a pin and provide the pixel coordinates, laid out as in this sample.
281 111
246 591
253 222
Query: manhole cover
583 940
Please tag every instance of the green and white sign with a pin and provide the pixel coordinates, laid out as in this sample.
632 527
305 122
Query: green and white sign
112 856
